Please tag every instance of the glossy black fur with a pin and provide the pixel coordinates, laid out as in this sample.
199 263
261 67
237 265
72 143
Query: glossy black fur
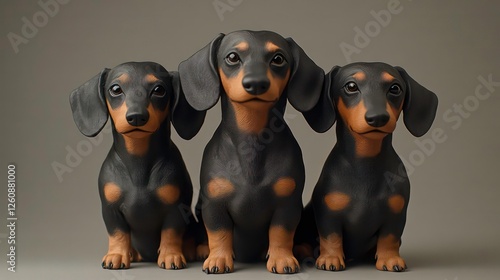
252 162
368 181
139 211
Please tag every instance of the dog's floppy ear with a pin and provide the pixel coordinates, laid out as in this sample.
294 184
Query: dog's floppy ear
199 78
306 80
186 120
88 104
323 116
420 106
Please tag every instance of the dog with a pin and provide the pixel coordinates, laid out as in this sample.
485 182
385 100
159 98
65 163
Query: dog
144 185
252 173
360 201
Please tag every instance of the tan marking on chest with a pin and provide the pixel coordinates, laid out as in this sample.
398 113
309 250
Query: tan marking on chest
112 192
284 187
219 187
168 194
337 201
396 203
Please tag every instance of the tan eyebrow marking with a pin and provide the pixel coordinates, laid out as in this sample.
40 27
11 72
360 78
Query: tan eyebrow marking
387 77
150 78
242 46
360 76
271 47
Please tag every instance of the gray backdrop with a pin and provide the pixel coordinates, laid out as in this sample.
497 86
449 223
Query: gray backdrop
451 47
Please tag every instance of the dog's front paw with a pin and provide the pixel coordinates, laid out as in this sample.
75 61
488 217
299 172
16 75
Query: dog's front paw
218 263
330 262
282 261
391 263
171 260
116 260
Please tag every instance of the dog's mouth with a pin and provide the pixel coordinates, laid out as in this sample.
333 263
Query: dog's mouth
256 100
136 132
376 133
373 131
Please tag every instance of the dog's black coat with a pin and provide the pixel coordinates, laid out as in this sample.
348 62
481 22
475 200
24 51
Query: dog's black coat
249 163
362 195
143 98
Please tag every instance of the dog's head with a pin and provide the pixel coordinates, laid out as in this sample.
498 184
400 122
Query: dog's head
254 69
369 97
138 96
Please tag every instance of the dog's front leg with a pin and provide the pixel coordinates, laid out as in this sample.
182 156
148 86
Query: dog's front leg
388 243
119 253
281 233
170 254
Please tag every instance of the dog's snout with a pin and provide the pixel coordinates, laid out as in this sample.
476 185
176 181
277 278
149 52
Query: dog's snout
256 85
377 119
137 118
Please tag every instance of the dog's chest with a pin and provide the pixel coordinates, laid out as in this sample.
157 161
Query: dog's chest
365 213
142 208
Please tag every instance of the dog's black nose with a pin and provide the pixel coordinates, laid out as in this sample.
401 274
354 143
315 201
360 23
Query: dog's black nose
377 119
256 85
137 118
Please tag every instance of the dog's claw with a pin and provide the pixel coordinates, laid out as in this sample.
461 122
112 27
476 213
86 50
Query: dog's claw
384 268
274 270
332 268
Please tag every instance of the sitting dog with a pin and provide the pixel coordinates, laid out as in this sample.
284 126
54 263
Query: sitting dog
144 186
252 173
362 195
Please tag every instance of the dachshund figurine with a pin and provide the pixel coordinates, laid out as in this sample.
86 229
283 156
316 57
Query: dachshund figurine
362 195
144 185
252 173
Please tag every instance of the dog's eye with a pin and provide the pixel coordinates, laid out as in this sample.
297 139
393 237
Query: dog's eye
159 91
232 58
278 60
351 87
395 89
115 90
